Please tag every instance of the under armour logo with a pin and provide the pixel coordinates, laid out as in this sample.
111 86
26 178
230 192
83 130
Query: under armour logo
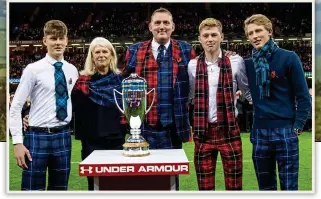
82 170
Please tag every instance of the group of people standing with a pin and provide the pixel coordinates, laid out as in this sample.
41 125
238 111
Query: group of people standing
272 79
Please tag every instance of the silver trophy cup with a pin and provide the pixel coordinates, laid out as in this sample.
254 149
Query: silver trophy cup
134 92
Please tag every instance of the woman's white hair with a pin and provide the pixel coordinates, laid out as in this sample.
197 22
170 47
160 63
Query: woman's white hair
89 68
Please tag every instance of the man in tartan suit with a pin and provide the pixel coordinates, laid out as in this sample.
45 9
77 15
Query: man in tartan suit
47 143
277 81
163 61
214 79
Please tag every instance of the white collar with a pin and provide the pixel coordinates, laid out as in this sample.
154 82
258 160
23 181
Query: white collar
51 60
211 63
155 45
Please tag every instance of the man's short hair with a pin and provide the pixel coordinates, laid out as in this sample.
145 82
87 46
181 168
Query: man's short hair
210 22
161 10
55 27
258 19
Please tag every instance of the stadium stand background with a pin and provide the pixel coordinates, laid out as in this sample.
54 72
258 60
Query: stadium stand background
126 24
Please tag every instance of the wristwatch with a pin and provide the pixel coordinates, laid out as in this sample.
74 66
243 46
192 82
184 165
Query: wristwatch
298 131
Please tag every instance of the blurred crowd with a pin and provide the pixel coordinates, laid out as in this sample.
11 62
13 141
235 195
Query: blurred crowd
302 48
20 59
117 20
130 20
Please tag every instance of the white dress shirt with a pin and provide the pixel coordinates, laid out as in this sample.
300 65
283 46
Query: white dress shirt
38 82
155 46
239 80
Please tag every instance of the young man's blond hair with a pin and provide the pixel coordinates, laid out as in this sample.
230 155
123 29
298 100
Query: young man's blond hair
210 22
56 28
260 20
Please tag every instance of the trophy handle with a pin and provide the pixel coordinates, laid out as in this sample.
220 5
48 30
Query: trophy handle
121 110
152 101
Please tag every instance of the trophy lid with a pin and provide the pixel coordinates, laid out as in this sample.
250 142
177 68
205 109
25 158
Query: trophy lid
134 82
133 75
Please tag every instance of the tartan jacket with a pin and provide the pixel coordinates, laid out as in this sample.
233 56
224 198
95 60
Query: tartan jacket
182 52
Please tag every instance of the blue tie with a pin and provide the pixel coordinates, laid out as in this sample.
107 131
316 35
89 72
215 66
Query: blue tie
61 92
160 55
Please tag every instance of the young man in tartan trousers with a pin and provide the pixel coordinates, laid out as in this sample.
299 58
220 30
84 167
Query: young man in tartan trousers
276 81
47 141
214 79
163 61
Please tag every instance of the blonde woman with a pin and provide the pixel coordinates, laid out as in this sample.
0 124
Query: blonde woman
97 119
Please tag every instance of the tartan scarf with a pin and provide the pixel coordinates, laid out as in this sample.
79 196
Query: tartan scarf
224 97
262 67
101 91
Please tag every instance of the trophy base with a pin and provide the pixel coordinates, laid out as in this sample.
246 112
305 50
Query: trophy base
135 155
136 149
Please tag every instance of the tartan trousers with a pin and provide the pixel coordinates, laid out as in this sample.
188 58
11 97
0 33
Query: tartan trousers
162 138
276 146
205 158
47 150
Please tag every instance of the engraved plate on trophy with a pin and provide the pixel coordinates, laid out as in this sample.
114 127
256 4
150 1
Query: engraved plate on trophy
134 93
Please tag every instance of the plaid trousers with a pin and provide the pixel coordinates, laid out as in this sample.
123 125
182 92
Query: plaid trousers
276 146
205 157
162 138
47 150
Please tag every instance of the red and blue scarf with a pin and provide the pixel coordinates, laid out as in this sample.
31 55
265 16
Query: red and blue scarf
224 97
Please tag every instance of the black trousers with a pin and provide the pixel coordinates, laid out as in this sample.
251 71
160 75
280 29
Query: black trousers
101 143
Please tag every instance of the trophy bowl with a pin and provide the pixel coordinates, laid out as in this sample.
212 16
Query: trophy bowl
134 92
